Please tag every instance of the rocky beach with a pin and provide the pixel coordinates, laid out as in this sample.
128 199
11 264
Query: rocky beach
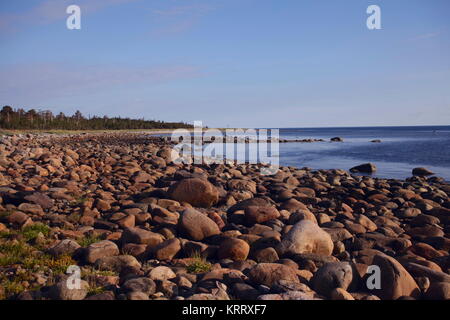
140 227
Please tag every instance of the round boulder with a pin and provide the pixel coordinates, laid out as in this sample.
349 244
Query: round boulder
196 225
306 237
197 192
234 249
271 273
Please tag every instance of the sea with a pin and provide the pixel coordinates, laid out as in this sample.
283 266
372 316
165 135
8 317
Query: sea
401 149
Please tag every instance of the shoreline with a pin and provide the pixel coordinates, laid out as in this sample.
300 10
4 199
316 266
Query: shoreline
141 227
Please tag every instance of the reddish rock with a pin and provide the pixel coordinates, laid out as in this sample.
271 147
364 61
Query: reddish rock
255 214
197 192
234 249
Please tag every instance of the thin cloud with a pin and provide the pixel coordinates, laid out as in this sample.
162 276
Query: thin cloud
197 9
51 80
426 36
179 17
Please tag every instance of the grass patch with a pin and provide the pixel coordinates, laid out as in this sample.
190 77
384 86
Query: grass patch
78 201
88 240
31 232
198 264
32 260
95 290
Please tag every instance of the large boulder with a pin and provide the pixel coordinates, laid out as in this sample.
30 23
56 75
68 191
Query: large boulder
422 172
254 214
364 168
63 291
197 192
196 225
242 205
306 237
331 276
141 236
234 249
100 250
272 273
64 247
395 280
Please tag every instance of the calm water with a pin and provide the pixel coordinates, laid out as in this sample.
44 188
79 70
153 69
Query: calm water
401 149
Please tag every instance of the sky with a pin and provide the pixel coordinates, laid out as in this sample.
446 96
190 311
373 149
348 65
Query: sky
231 63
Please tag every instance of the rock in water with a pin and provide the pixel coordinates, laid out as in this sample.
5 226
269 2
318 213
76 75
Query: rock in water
422 172
306 237
337 139
196 225
197 192
365 168
395 280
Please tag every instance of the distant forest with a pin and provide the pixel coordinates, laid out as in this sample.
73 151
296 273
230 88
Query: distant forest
19 119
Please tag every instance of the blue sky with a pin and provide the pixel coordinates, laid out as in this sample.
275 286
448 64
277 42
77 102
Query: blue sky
238 63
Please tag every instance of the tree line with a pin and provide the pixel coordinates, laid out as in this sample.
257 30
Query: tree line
19 119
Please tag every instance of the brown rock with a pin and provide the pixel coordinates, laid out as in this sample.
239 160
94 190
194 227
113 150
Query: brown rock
197 226
234 249
395 280
141 236
101 249
255 214
197 192
306 237
167 250
271 273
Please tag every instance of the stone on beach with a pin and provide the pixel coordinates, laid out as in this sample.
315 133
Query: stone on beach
197 192
306 237
196 225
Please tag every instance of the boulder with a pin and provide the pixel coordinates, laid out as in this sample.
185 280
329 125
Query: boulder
395 280
167 250
141 236
254 214
197 226
63 291
117 263
306 237
271 273
161 273
64 247
100 250
197 192
331 276
422 172
144 285
364 168
234 249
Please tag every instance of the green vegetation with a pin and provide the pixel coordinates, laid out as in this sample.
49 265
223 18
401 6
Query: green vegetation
198 264
19 119
31 232
88 240
20 253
